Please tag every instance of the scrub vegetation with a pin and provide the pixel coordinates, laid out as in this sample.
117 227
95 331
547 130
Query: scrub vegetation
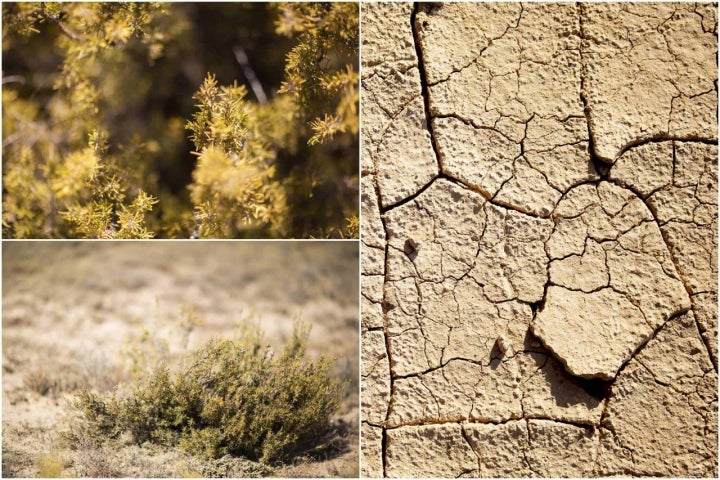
233 396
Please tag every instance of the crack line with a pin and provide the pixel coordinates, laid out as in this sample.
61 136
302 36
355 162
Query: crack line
424 83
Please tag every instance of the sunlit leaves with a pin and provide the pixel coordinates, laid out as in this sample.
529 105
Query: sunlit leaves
222 117
59 177
319 70
234 191
79 160
95 194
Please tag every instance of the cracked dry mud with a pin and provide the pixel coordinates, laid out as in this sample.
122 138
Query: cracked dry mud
539 201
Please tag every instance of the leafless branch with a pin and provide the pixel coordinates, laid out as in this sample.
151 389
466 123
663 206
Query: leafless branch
13 79
249 73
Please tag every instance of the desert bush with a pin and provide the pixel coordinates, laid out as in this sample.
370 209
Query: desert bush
233 396
233 182
93 138
59 176
85 369
54 380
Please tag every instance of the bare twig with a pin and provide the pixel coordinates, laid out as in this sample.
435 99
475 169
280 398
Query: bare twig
249 73
13 79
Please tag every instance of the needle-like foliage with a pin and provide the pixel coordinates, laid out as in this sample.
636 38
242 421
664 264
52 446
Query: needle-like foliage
91 150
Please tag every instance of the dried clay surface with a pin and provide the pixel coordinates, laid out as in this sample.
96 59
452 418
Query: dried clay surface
539 240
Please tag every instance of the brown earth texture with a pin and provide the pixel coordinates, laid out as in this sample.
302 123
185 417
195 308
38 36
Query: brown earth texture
74 313
539 240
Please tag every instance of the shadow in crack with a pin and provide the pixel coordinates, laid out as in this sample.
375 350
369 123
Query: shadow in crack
431 8
565 388
600 389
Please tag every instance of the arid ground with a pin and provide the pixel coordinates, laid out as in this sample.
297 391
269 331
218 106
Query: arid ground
75 314
539 230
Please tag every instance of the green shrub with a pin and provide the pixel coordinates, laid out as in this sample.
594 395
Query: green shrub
60 176
233 396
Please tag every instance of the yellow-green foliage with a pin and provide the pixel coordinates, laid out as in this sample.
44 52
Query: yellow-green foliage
234 183
319 72
59 179
92 189
87 141
233 396
237 142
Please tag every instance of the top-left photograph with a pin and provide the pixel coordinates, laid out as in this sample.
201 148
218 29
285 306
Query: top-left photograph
180 120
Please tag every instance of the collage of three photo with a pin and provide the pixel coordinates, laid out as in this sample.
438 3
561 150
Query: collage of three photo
359 239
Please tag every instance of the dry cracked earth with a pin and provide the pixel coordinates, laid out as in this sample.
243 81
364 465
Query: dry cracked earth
539 206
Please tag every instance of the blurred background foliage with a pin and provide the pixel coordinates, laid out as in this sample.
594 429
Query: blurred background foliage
104 103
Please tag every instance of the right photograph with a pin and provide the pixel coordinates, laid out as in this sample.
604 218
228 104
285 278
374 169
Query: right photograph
539 240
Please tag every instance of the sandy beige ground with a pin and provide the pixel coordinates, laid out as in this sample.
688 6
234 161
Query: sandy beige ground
539 238
70 309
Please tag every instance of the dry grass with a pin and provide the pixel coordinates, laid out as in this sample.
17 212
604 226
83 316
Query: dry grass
40 382
51 465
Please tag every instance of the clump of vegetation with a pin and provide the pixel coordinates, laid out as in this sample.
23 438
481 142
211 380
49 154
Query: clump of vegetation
233 396
51 465
40 382
237 183
93 140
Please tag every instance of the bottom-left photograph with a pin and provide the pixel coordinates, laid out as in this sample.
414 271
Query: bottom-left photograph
180 359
